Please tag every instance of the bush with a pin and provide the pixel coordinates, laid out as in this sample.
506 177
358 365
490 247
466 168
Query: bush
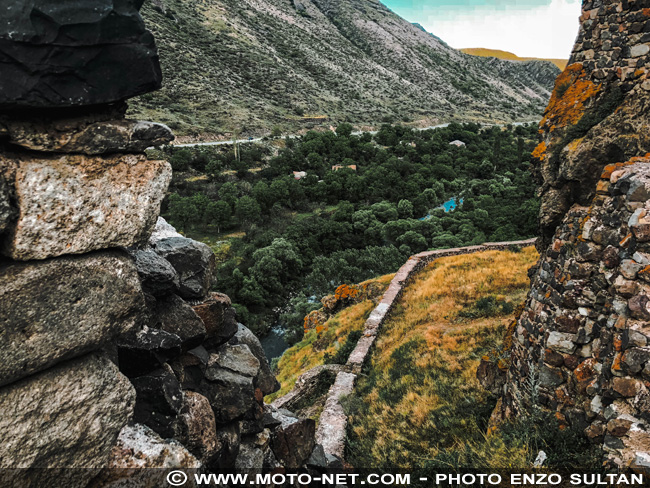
343 353
484 307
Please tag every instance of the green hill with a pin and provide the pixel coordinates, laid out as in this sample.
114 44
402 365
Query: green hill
246 66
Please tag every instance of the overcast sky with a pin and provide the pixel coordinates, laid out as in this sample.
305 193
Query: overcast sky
528 28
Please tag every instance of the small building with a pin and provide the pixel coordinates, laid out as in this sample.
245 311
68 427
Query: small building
299 175
337 167
457 143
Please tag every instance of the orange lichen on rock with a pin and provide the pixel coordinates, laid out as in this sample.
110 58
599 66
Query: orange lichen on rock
347 292
611 168
540 151
314 319
573 89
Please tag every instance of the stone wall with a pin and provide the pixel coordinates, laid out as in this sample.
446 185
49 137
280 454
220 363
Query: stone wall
598 113
332 426
114 353
580 346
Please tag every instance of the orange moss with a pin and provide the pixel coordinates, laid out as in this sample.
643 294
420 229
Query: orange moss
347 292
573 89
540 151
646 12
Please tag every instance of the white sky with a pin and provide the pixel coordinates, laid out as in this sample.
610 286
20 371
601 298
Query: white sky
547 31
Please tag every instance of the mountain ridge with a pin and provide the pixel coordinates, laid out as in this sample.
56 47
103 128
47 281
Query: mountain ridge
507 55
279 63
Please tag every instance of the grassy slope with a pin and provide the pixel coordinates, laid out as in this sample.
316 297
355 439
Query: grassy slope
421 395
497 53
244 66
310 352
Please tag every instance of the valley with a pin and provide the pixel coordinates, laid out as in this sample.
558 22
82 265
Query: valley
292 219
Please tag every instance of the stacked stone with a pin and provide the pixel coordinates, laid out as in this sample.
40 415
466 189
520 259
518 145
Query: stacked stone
613 41
582 344
200 377
113 352
74 186
598 112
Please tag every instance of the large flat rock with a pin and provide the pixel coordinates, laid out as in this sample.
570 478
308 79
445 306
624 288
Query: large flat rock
74 204
66 417
60 308
74 53
85 135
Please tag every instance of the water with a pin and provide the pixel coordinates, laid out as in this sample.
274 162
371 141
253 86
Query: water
274 344
449 206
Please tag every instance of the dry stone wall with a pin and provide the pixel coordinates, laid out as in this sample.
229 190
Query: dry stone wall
114 353
580 346
598 113
332 426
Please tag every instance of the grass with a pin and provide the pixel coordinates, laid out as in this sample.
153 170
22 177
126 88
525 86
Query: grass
219 243
318 346
420 403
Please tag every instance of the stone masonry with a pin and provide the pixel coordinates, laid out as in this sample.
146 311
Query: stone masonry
581 345
114 353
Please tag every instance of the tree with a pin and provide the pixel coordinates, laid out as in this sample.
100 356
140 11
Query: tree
201 202
218 213
385 211
182 211
247 211
344 130
405 209
181 159
415 242
276 266
228 193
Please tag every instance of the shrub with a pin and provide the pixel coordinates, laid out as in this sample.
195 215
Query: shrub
343 353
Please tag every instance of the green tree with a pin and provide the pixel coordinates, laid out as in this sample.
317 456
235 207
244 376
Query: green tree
405 209
180 160
344 130
228 193
247 211
219 213
182 211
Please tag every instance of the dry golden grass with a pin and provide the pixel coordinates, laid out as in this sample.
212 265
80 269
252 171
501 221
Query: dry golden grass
430 305
311 351
421 396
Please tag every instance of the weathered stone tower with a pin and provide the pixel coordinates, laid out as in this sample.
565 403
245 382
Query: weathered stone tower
582 343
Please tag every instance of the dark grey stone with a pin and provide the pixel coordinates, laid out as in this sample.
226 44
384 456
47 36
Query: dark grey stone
174 315
231 395
159 401
193 261
141 352
265 379
74 53
158 276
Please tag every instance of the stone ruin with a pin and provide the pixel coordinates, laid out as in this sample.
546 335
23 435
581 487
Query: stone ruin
581 346
114 354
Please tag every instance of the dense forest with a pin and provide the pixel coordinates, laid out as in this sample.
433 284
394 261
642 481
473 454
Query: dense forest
290 223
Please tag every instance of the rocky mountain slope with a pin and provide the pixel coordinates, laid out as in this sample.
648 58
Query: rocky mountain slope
249 65
497 53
